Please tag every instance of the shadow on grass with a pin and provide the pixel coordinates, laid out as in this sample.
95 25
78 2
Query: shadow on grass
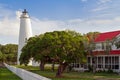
72 75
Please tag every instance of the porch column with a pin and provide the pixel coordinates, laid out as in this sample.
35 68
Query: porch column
103 62
97 62
119 63
90 60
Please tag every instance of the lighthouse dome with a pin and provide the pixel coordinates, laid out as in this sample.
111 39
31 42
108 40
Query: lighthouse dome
25 14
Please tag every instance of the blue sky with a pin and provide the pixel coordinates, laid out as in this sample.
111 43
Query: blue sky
65 9
51 9
48 15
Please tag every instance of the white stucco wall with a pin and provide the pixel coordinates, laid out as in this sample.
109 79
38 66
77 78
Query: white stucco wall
98 47
24 34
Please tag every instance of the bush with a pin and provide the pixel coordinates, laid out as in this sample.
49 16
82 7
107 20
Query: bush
90 68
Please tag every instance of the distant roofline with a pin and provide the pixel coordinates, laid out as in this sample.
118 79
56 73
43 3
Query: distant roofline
105 35
109 31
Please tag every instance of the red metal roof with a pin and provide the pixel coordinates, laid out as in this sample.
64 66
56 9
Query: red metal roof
107 36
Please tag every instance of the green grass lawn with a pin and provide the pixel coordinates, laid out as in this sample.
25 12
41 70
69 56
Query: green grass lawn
5 74
72 75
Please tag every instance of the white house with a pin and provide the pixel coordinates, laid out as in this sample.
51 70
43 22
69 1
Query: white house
105 54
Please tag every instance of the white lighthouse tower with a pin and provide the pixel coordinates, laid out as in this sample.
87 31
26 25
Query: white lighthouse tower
25 32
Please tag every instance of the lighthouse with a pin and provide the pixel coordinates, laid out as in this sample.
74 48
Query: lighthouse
25 32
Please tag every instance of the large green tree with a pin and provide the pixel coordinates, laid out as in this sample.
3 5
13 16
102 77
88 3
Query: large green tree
63 47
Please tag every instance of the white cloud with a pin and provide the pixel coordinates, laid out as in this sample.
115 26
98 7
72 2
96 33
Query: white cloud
100 8
101 5
9 26
18 14
75 20
42 26
104 1
79 25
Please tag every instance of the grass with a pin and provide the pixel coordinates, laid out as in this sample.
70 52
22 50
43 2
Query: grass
72 75
107 75
5 74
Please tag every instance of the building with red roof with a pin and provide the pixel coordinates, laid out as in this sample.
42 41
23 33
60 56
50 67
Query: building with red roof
105 54
107 36
107 39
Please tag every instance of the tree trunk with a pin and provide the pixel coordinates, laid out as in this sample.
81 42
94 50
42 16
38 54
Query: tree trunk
25 64
1 64
58 74
42 65
61 69
53 66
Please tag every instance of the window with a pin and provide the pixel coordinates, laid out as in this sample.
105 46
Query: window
116 60
77 65
106 60
98 46
116 66
103 46
88 60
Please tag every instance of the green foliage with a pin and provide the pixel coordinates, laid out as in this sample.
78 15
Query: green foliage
8 52
63 45
89 43
92 35
2 56
30 50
